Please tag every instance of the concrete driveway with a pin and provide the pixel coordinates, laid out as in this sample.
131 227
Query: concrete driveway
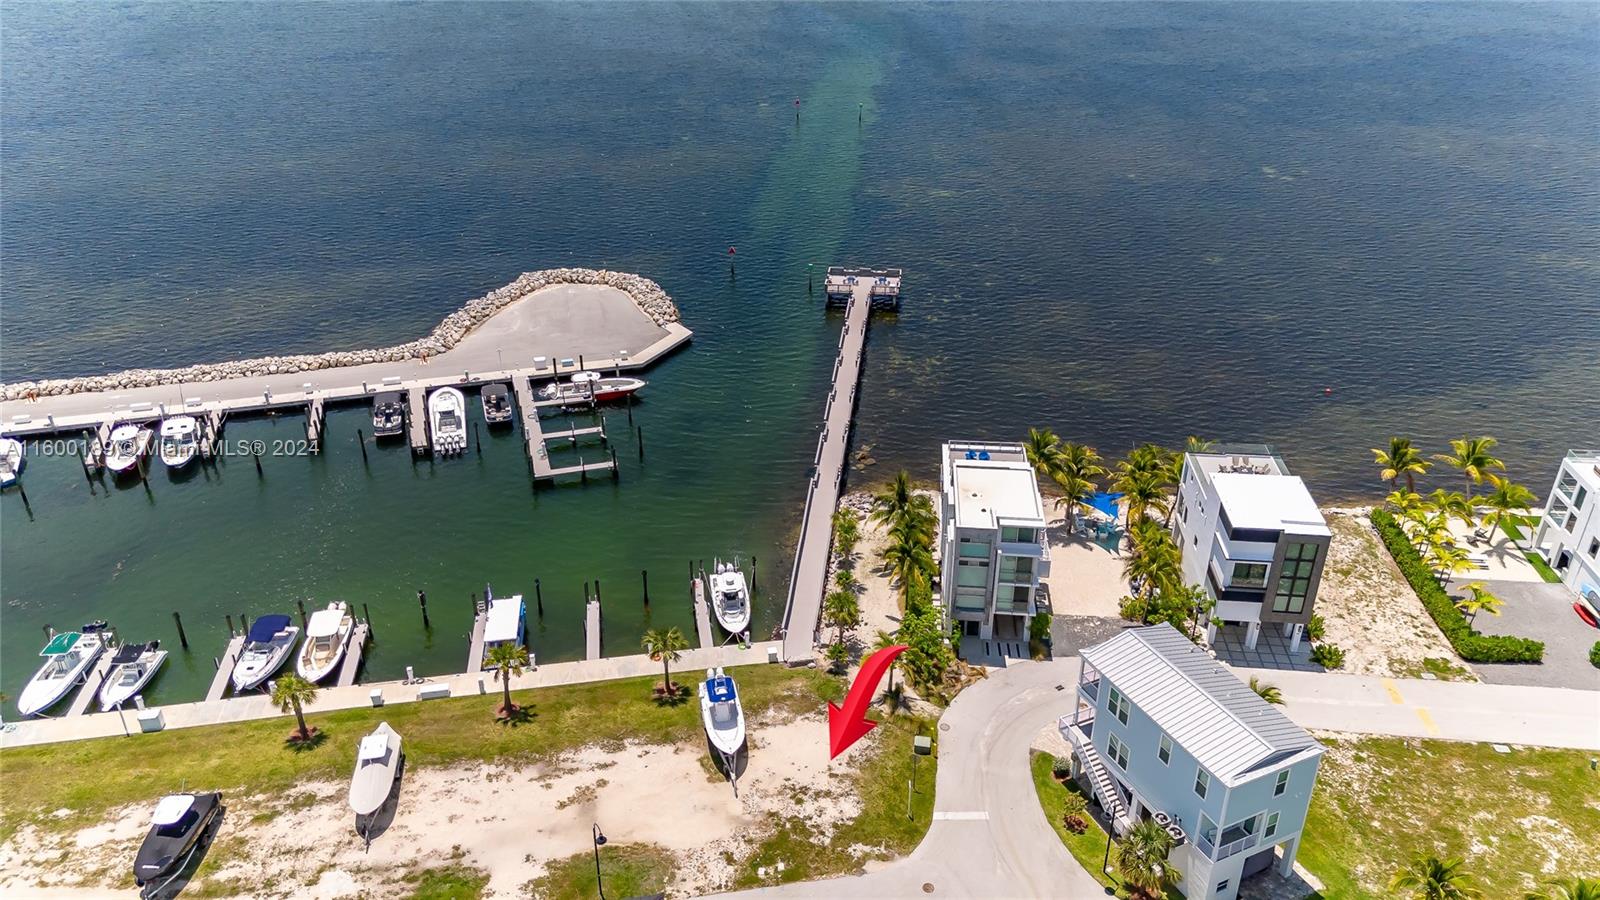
1541 611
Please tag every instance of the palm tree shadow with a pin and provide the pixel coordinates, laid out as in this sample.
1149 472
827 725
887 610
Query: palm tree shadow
372 827
186 874
522 714
678 696
317 739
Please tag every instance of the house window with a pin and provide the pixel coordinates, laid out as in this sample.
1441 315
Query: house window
1272 827
972 574
1249 575
1594 547
1208 830
1183 508
1583 493
1282 785
1222 885
1016 568
972 549
1013 535
1202 782
1117 705
1164 750
1294 581
1118 751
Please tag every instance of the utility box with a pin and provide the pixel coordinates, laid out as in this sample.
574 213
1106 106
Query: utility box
151 720
922 744
376 696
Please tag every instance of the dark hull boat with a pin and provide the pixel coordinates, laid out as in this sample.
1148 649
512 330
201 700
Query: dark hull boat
178 829
496 399
388 414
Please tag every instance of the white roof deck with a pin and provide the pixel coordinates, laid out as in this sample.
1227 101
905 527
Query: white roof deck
1270 502
505 620
989 490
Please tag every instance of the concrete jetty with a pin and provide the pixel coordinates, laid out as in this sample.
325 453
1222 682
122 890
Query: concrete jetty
808 582
591 630
224 677
91 684
475 645
352 655
702 612
417 419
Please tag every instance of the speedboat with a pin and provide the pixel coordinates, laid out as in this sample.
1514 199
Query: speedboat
179 441
591 387
327 636
266 649
388 414
177 830
447 419
496 399
66 658
720 711
377 764
11 461
503 624
129 445
730 598
131 669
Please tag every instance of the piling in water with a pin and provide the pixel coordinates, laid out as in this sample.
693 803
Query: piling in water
183 639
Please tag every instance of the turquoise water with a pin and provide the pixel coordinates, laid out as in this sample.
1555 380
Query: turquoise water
1126 221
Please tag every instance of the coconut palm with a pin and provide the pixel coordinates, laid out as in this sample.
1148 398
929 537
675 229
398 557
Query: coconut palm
1267 692
1142 490
1474 457
291 692
1453 504
1568 889
1043 449
1448 561
1077 469
1142 859
1506 497
1406 503
1478 599
1153 559
508 661
846 532
1428 877
908 555
666 645
1401 461
1193 444
841 611
894 696
890 503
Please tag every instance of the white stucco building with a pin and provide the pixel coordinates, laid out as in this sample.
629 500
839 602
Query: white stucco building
1163 731
992 542
1568 536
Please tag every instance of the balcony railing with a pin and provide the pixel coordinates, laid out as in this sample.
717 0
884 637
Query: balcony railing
1226 850
1090 688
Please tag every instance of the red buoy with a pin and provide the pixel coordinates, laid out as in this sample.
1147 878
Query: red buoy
730 251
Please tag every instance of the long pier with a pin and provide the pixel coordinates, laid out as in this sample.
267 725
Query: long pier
808 582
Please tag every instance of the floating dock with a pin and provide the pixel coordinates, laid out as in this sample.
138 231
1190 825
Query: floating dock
702 611
91 684
536 440
591 630
417 419
224 677
352 656
475 646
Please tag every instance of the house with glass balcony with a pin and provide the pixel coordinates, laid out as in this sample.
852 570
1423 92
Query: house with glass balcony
1568 536
992 543
1253 538
1163 731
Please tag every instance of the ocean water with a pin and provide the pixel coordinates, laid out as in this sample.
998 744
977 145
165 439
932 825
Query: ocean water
1314 225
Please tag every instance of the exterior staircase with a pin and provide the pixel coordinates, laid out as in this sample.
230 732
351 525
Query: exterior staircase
1105 789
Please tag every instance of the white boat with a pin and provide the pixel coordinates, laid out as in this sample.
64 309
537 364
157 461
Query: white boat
66 658
447 421
730 597
496 399
327 636
591 387
503 624
377 764
131 669
129 444
266 649
721 713
180 441
11 461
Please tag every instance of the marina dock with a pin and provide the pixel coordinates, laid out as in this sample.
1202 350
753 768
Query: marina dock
91 684
702 612
224 676
352 655
475 646
591 630
417 419
808 582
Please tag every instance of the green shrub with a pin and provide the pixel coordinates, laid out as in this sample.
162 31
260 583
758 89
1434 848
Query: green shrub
1063 769
1469 644
1594 655
1328 656
1316 628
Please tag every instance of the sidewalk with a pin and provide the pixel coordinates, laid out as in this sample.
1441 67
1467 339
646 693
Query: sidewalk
259 706
1450 710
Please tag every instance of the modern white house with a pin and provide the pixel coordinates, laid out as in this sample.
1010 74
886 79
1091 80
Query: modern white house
1163 731
1253 538
1568 536
993 548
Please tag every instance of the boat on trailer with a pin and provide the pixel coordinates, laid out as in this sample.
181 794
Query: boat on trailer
131 669
388 414
180 441
267 647
447 421
377 765
496 399
591 387
12 460
67 657
730 597
721 713
179 827
327 638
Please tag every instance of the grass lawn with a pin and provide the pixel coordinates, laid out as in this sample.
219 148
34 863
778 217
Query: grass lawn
1089 848
629 870
447 883
1543 568
89 777
1518 818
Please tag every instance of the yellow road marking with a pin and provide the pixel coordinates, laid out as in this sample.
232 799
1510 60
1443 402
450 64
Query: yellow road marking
1394 692
1427 721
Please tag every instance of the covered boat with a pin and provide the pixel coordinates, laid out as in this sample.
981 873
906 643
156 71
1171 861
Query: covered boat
178 828
266 648
503 624
591 387
721 713
11 461
377 764
730 597
67 657
180 441
131 669
447 421
496 399
388 414
327 636
128 446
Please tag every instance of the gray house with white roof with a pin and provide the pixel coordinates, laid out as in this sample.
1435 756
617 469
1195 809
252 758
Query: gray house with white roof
1161 730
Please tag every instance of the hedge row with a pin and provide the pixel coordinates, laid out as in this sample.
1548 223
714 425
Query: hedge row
1594 655
1468 644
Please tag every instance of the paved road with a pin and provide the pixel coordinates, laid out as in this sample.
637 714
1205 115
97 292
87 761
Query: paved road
989 837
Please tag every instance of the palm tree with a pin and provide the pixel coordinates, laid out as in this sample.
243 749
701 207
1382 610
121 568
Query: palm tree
1143 490
1043 449
1506 496
1267 692
1193 444
1406 503
1478 599
1401 461
291 692
1142 859
1153 559
908 555
841 611
846 532
1473 457
894 697
1448 560
1077 468
508 661
1568 889
1430 878
892 501
667 646
1453 504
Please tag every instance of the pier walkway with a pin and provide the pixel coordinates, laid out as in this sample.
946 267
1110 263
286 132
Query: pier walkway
259 706
224 677
591 630
352 655
91 684
808 582
702 613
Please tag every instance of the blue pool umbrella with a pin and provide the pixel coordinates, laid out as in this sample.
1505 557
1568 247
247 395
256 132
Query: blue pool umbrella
1105 502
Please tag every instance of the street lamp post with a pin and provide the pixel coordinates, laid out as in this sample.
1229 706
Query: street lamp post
599 841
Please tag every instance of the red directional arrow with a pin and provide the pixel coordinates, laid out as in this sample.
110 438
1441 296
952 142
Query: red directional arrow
848 723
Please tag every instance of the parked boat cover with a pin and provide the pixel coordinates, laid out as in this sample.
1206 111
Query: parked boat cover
263 629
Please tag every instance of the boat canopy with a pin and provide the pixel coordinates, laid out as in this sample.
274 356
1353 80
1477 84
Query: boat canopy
373 747
265 628
585 377
172 808
177 426
124 432
505 620
61 643
496 389
129 653
387 398
324 623
720 689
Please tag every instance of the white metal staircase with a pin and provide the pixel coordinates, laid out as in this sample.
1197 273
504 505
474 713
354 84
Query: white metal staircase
1104 787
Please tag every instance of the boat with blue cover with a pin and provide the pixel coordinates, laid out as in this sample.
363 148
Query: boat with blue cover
721 712
266 648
